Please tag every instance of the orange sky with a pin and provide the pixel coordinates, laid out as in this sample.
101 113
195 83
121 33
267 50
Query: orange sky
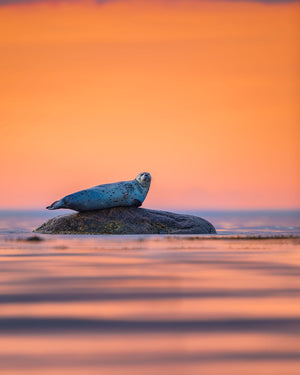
203 95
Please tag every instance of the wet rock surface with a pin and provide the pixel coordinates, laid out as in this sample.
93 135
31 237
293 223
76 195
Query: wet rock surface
126 220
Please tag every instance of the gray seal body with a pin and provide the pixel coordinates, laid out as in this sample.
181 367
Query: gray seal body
124 193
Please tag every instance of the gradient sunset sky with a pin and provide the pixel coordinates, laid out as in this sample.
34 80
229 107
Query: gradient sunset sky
204 95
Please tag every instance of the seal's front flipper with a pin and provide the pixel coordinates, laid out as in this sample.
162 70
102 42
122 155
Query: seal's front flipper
136 203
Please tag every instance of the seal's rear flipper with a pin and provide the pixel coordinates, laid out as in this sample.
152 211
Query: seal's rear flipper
54 206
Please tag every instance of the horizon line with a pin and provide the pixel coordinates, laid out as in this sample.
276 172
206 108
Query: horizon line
256 209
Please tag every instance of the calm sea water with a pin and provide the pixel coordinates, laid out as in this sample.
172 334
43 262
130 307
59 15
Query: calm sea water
226 304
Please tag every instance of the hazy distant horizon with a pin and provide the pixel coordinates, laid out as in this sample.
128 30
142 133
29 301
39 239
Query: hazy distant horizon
271 222
187 209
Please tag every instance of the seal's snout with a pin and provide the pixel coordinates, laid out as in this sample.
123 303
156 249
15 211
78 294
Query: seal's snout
144 178
145 174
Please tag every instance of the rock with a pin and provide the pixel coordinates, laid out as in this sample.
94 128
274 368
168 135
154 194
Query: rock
126 220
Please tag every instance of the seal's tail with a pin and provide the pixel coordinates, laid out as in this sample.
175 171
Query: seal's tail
54 206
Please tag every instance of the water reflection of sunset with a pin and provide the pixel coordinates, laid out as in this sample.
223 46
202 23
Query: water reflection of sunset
74 305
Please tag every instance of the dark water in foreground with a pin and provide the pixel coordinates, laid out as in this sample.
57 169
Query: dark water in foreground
152 304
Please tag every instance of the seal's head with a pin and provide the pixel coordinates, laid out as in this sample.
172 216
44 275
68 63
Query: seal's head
144 179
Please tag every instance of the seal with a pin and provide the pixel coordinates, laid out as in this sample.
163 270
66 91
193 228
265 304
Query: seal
124 193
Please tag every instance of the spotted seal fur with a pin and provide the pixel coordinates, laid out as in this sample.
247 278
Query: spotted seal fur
124 193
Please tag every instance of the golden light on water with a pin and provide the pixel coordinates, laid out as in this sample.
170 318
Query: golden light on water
149 304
